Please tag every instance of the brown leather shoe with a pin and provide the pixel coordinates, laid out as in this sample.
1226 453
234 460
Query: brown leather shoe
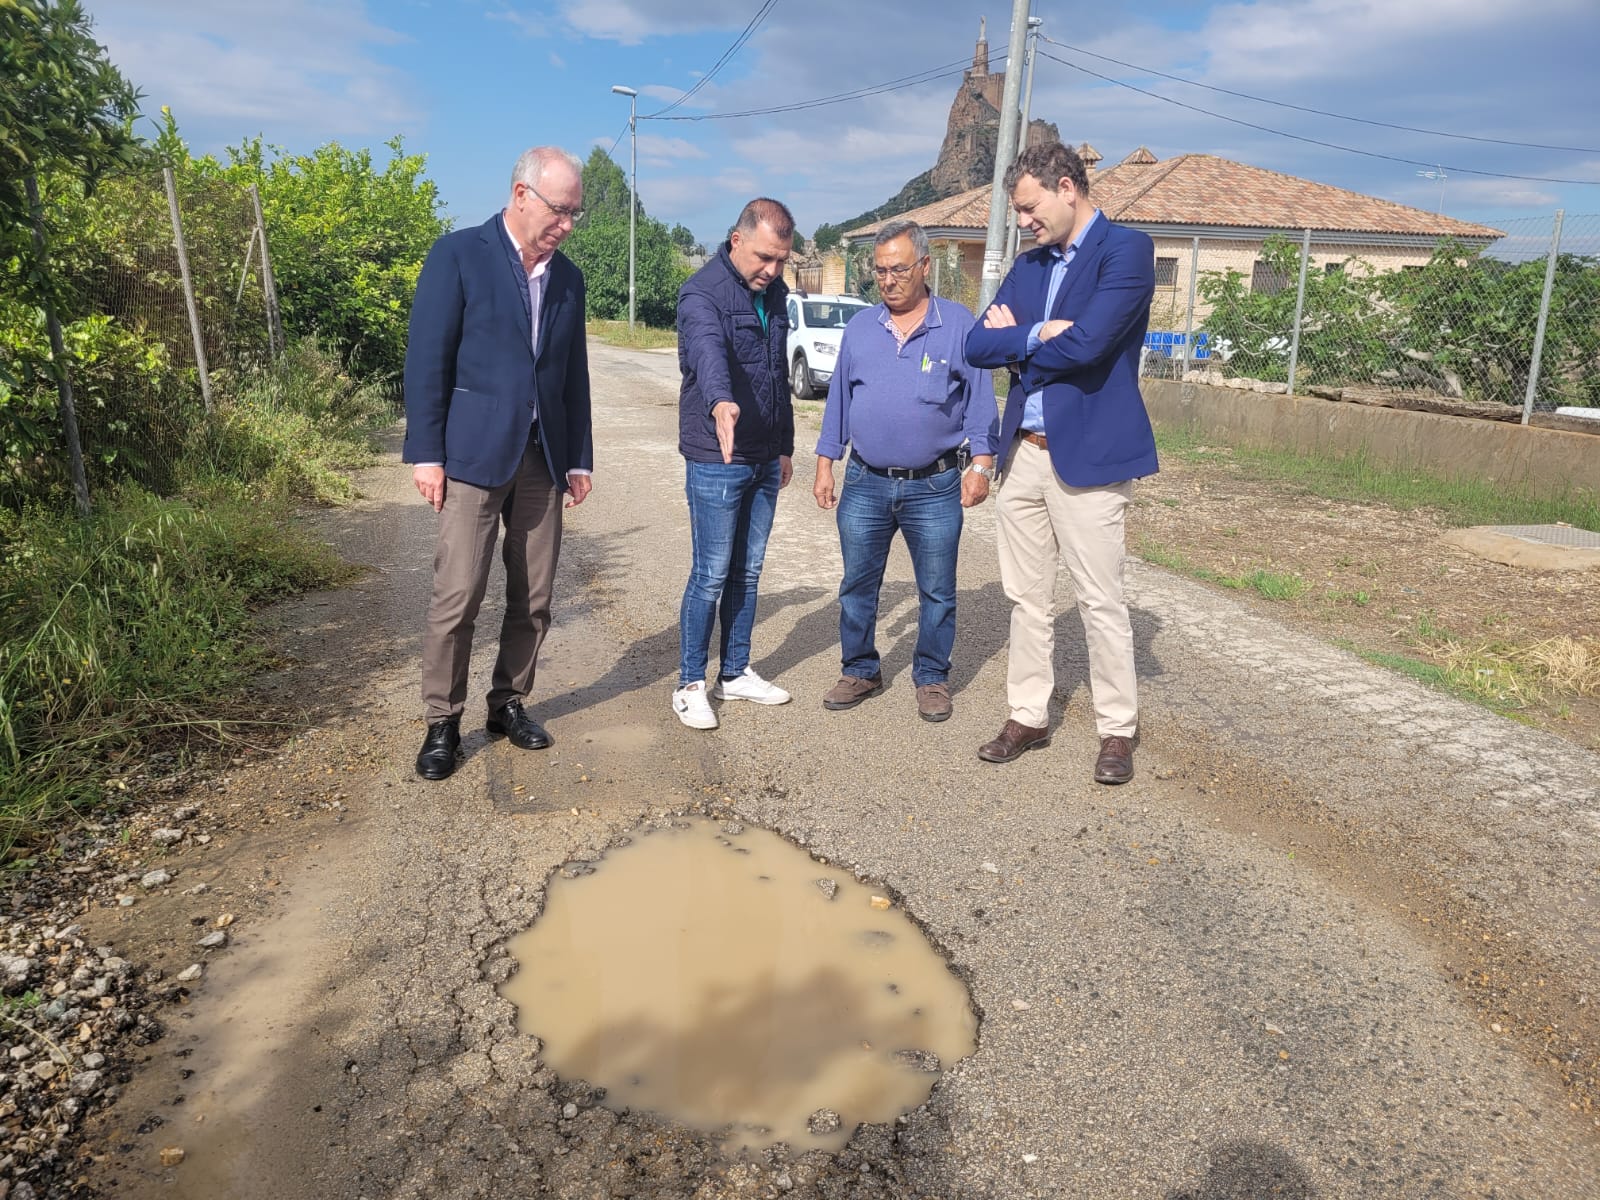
851 690
933 701
1115 764
1012 740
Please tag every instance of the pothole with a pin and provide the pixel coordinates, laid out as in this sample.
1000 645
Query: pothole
717 975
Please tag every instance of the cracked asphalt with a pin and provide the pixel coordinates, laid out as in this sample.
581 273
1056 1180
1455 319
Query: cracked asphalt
1337 939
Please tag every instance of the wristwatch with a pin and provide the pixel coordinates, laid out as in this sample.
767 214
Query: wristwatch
988 473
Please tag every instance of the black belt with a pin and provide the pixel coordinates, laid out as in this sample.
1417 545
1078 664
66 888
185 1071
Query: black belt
946 462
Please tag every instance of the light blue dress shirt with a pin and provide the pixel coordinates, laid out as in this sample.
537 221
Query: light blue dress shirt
1060 260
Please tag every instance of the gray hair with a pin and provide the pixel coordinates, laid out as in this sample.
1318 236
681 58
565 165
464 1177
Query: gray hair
534 162
906 229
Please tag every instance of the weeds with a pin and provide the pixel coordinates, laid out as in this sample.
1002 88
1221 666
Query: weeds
1273 585
1358 478
640 337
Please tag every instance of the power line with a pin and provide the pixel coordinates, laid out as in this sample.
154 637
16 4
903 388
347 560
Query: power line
1413 162
1466 137
727 55
861 93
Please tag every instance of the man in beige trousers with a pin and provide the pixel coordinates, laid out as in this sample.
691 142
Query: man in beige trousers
498 428
1068 321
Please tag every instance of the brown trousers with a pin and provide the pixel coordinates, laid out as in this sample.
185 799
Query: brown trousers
530 507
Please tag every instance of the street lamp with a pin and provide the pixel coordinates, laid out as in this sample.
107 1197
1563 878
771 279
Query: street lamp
633 183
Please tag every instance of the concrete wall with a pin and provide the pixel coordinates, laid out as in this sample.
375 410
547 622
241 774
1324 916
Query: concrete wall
1547 461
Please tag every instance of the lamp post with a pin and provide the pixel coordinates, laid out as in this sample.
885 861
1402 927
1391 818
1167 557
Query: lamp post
633 183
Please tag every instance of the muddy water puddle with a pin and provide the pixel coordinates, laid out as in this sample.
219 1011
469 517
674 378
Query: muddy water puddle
717 975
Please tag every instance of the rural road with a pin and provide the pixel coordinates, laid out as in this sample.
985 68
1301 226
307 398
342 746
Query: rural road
1339 938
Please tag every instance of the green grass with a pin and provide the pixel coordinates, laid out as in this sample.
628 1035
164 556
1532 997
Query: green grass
1273 585
131 629
643 337
1356 478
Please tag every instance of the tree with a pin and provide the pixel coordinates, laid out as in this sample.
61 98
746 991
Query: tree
682 238
799 242
605 187
600 249
348 240
63 107
826 237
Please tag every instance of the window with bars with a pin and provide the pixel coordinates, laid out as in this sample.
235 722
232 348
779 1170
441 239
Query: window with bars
1266 280
1166 272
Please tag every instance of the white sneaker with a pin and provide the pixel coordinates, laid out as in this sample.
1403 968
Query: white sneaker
751 686
692 707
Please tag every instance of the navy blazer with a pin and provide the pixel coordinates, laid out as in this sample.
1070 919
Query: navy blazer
1094 415
471 379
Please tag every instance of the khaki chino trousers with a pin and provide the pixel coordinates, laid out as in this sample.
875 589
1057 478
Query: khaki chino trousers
1041 519
529 506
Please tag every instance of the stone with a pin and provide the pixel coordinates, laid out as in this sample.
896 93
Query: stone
829 888
166 837
155 879
921 1060
187 812
93 1061
214 940
190 973
171 1156
881 903
85 1082
823 1122
569 1110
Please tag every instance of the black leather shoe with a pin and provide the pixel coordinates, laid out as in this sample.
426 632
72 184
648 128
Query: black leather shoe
437 758
517 727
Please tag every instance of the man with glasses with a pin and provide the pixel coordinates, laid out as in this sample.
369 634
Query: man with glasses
1069 321
912 410
736 435
497 427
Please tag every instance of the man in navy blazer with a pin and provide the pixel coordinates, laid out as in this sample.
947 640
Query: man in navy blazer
497 425
1068 321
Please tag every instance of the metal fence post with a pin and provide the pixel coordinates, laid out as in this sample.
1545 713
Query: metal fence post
1544 317
268 284
1299 309
58 355
188 287
1188 320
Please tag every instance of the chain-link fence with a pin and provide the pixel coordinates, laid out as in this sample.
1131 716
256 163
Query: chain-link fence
164 297
1512 324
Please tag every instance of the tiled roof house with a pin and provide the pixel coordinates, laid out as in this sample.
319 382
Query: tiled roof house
1227 209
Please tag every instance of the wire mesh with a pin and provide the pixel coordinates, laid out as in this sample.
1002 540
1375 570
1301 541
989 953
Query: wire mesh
125 322
1446 321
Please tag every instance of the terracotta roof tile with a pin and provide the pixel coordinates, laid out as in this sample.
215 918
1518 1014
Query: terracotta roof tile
1202 189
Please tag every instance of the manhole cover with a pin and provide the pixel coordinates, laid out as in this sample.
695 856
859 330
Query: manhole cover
718 975
1551 535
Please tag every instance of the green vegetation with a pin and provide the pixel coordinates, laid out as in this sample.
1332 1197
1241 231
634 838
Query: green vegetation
1458 502
128 627
1272 585
642 337
1462 324
600 249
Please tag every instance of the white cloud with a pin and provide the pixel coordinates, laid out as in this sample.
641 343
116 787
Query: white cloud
557 61
302 64
630 22
668 151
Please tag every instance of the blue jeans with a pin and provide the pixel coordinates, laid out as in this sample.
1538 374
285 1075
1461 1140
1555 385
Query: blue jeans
928 513
730 516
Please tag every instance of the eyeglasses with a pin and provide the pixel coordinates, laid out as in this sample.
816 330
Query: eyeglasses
898 271
562 212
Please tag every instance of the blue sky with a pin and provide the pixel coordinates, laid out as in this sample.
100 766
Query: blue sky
473 82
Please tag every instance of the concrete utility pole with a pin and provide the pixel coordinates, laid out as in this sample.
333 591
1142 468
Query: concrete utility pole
994 245
1013 232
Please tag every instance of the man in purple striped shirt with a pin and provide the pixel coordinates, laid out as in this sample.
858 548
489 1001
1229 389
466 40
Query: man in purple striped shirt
921 425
